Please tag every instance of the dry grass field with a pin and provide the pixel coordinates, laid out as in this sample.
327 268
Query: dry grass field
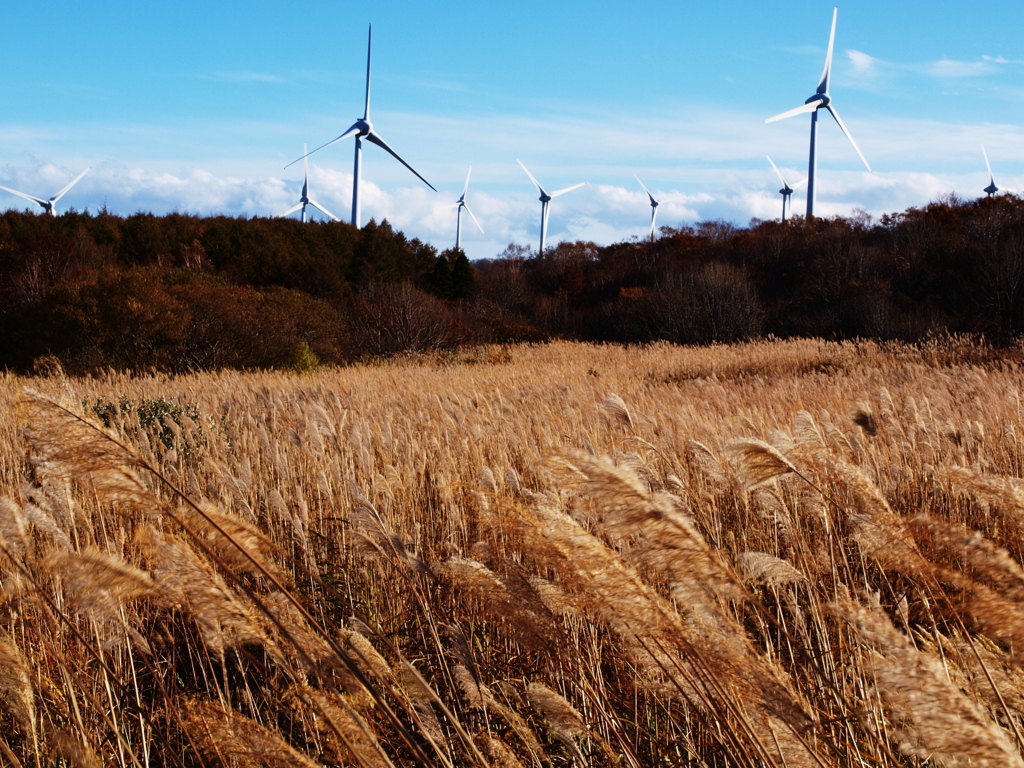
777 554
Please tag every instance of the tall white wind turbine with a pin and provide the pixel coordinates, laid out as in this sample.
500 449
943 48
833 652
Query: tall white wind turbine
363 128
48 206
820 100
786 191
655 204
305 199
460 204
545 200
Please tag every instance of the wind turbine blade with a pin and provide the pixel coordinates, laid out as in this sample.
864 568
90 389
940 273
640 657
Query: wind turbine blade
72 183
803 108
305 172
375 139
369 47
568 189
826 74
799 183
835 114
474 219
653 201
350 132
465 189
675 199
323 210
27 197
777 172
988 165
290 211
535 182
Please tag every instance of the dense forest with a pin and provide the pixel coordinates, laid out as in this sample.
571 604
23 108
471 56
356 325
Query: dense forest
180 292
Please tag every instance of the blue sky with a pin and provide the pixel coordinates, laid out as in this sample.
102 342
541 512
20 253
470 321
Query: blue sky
198 106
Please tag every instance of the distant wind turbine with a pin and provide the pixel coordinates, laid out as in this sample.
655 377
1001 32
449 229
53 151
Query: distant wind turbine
991 188
48 206
460 204
786 191
655 204
363 128
820 100
545 200
305 199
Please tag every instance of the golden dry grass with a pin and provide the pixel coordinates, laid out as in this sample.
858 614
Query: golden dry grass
783 553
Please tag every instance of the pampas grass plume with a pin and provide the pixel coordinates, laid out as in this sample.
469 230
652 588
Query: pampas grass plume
756 462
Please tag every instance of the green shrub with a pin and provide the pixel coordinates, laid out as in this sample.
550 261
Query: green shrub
154 416
302 358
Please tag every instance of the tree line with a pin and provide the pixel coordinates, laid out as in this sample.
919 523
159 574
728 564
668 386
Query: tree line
182 292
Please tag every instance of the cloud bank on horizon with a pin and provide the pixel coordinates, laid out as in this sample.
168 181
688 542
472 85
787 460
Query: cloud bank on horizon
210 133
611 208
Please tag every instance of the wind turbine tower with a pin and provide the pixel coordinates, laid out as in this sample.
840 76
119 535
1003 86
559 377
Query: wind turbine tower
305 199
545 201
460 204
820 99
654 205
786 192
363 129
48 206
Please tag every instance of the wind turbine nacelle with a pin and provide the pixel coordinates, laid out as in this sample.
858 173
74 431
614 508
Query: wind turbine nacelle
785 191
823 98
365 126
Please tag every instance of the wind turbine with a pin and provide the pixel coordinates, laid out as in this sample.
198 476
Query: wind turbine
48 205
305 199
786 191
460 205
363 128
655 204
991 189
820 100
545 200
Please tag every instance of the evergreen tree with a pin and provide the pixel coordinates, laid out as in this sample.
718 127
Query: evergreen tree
463 277
441 277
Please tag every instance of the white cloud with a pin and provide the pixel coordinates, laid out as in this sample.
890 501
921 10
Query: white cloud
951 68
862 63
870 71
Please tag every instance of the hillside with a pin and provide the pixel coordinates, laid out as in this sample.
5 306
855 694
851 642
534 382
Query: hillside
181 292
